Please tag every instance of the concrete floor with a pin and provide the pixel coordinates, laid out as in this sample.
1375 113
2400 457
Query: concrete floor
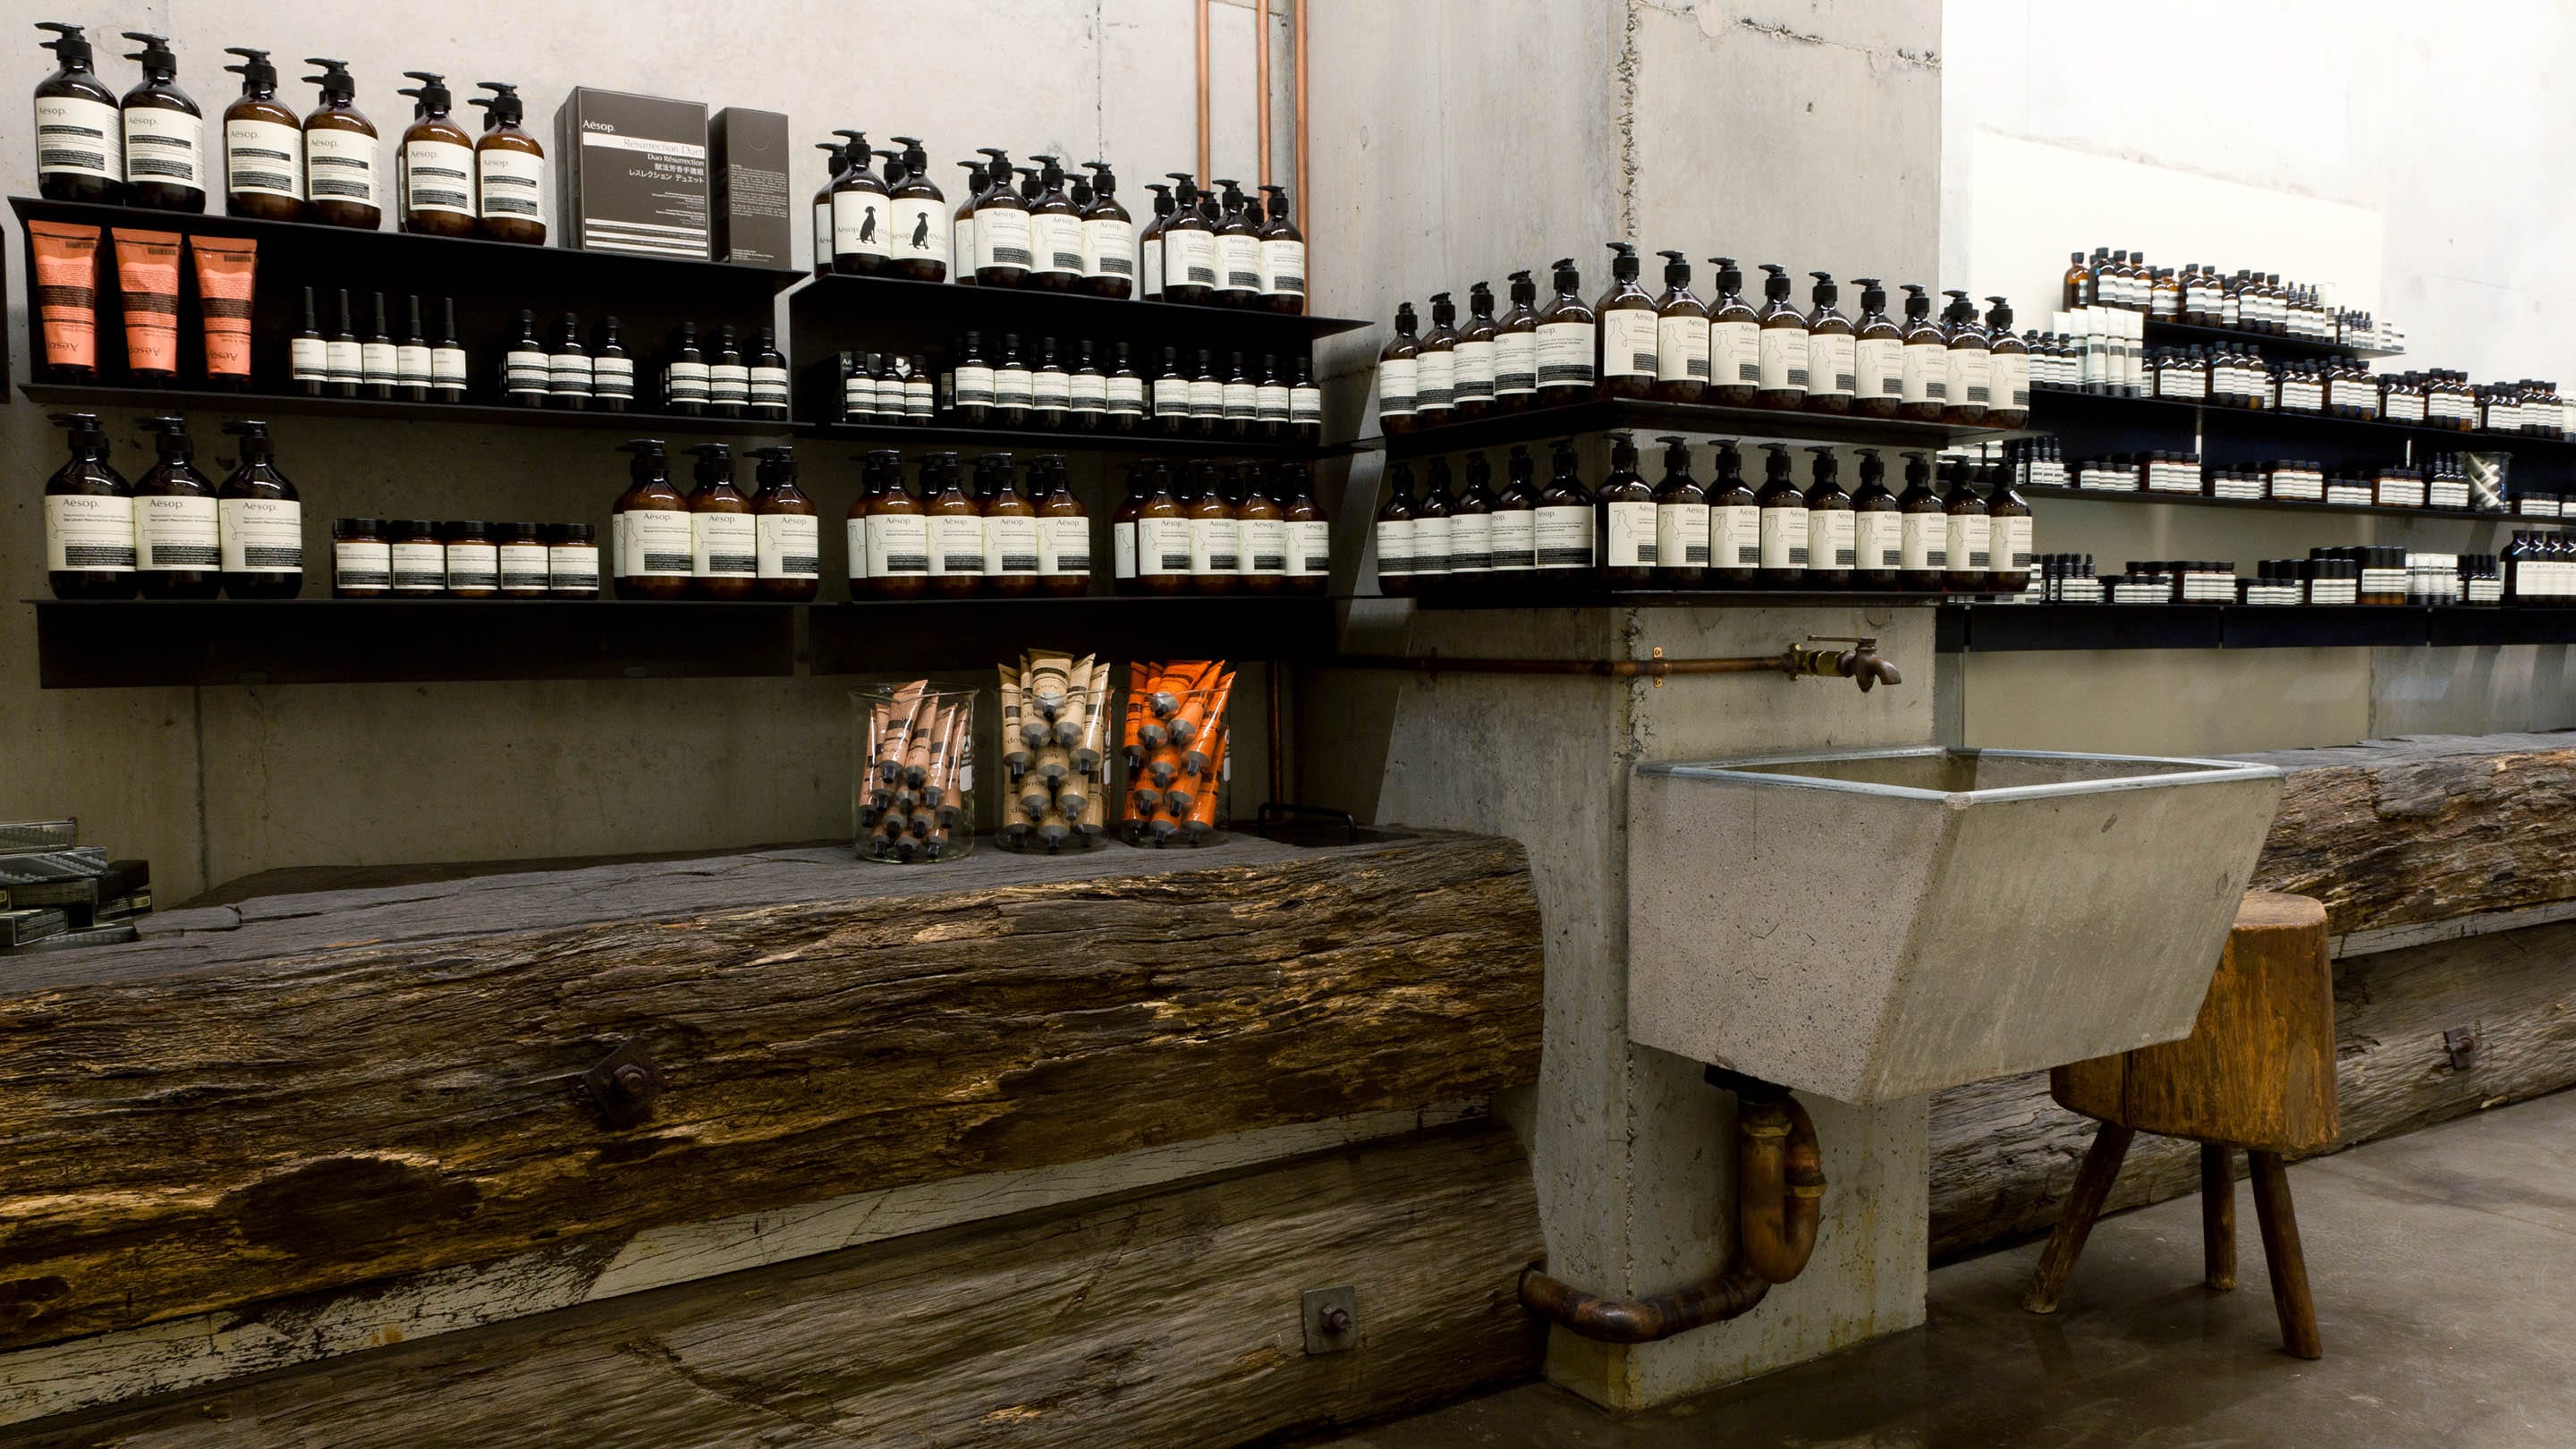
2442 1263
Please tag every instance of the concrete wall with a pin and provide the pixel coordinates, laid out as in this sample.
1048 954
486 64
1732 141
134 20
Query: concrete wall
213 783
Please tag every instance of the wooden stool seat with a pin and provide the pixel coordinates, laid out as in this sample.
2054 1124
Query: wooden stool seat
2257 1072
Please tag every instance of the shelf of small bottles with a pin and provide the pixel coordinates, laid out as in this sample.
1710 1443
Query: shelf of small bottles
2284 505
154 400
1145 441
2006 628
1538 595
2161 333
2097 424
83 644
1539 424
936 312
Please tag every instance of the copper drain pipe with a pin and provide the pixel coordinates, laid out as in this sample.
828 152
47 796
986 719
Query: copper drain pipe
1779 1196
1304 203
1204 142
1261 85
1860 663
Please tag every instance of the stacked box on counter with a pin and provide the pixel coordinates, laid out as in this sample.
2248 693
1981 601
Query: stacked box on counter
59 893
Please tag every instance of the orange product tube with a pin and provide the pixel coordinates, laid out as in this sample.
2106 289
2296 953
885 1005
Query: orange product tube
67 297
1164 766
1203 809
225 272
147 283
1214 724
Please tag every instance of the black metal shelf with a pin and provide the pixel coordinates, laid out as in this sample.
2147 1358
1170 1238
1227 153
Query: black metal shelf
267 405
2097 424
898 303
2021 628
2278 505
147 642
1705 419
2161 333
1536 595
1050 440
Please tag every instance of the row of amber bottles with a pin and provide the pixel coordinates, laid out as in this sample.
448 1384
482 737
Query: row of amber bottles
1481 541
1677 347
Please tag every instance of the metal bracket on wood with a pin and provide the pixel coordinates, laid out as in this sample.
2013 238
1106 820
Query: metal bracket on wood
622 1086
2462 1043
1332 1320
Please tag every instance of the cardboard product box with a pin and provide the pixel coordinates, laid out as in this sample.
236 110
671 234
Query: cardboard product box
632 174
749 173
20 928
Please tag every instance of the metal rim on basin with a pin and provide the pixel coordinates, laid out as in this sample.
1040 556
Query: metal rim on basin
2191 770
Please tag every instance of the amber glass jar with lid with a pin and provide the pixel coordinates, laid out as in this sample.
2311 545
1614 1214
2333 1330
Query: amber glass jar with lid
473 559
362 565
419 558
572 562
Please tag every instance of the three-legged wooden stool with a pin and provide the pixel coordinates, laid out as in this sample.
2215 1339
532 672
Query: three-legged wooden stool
2257 1072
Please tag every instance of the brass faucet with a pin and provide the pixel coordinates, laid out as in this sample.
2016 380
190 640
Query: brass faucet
1860 663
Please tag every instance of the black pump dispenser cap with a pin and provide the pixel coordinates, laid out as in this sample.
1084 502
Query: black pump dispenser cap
336 82
1775 463
255 70
1623 451
1730 277
1233 200
1567 278
84 427
1775 285
715 461
1873 294
501 108
1562 453
1051 172
1999 315
1162 198
1404 321
69 45
432 93
1185 187
156 54
256 445
1443 311
1028 182
169 435
1676 268
1827 467
1676 452
1480 299
916 160
1916 303
1524 289
1872 470
1103 180
1959 304
1624 265
1278 200
1729 462
1826 293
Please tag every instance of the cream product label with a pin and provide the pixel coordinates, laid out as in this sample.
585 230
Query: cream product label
613 376
262 535
2011 539
362 563
854 539
1735 354
1514 534
899 543
1925 542
1631 540
788 545
1878 540
1970 541
859 395
1925 372
1515 363
1264 542
916 398
769 386
165 145
1878 368
1681 349
523 567
1010 545
1171 397
859 224
1216 546
1014 387
1971 376
920 230
1109 248
1059 238
76 136
1564 354
1628 342
1127 395
568 372
308 359
526 372
447 368
1064 547
473 566
1831 364
1564 538
956 544
1784 538
572 566
1122 549
721 545
376 361
1087 392
1163 546
1830 539
263 158
1050 388
1306 405
728 382
1398 384
1681 534
176 533
823 233
1784 362
340 166
974 384
508 183
1238 261
418 568
1310 551
1394 546
1242 401
1283 268
961 242
1471 543
438 176
411 364
347 360
2010 379
1735 536
89 532
661 543
1475 371
1149 268
1003 238
1270 402
1431 545
1207 398
1436 381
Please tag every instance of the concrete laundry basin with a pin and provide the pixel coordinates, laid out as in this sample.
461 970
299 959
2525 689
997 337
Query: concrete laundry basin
1874 924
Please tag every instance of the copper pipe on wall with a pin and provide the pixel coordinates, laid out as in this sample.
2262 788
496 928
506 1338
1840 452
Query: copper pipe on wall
1860 663
1303 203
1205 164
1261 84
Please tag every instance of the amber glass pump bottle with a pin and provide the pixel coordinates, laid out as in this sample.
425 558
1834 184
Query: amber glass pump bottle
1782 342
1627 321
1681 336
437 163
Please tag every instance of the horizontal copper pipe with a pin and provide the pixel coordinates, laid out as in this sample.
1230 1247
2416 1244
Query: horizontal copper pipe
1600 668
